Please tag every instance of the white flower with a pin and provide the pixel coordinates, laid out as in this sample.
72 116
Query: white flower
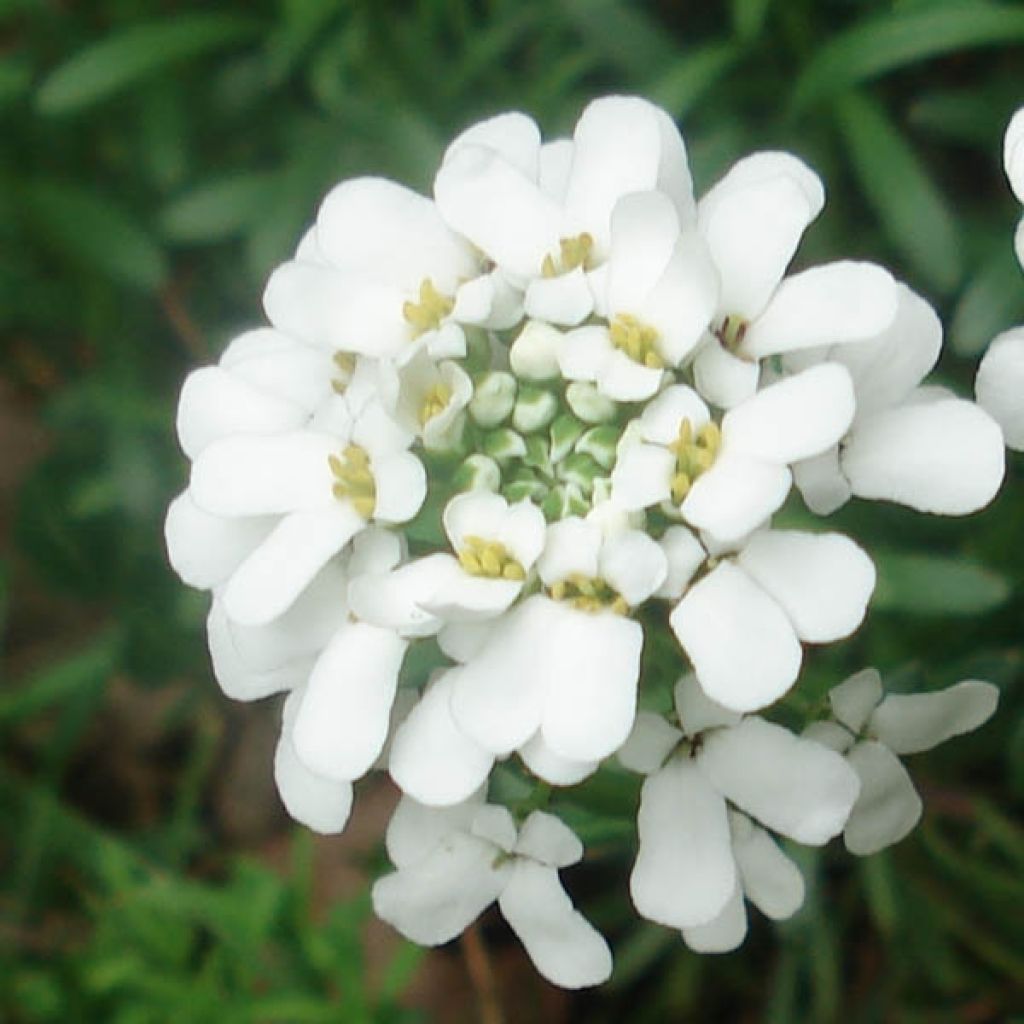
729 480
453 863
1013 161
999 386
566 661
752 221
742 624
693 864
872 731
543 214
383 276
913 445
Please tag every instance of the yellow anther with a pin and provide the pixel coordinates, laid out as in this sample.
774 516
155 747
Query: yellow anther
732 331
432 307
353 479
345 363
573 252
435 401
694 456
489 558
637 340
588 594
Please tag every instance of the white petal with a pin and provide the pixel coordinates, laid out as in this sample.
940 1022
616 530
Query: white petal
215 403
498 208
723 934
821 482
251 476
650 741
823 581
461 641
205 549
496 825
722 378
534 353
564 947
1013 153
697 711
592 666
888 807
401 484
753 229
522 532
435 900
740 642
684 555
548 840
318 803
281 366
273 576
633 564
830 734
554 769
642 476
790 784
1000 384
513 136
794 419
555 167
944 456
416 830
399 599
771 881
853 700
663 416
432 760
565 299
736 496
375 549
624 380
827 305
584 353
644 228
573 545
908 724
684 872
342 722
462 596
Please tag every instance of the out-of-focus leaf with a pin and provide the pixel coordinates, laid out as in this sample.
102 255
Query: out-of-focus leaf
690 76
15 76
218 209
969 116
920 584
302 22
748 17
915 215
894 40
992 301
132 54
622 33
95 232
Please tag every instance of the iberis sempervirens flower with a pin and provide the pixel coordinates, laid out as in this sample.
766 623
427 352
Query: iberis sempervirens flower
503 468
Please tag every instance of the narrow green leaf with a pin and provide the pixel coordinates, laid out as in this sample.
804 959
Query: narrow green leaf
132 54
622 33
218 209
875 46
748 17
919 584
95 232
992 301
689 77
914 214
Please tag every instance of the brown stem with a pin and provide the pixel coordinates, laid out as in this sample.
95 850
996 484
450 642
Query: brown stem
481 974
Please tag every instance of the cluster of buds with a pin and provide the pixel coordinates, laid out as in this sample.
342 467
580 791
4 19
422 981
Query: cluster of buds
495 441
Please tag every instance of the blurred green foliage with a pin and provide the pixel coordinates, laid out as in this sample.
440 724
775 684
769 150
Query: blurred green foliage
158 159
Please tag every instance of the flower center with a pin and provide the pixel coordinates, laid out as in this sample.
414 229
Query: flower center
353 479
589 594
432 307
637 340
694 455
345 363
573 252
435 401
732 331
489 558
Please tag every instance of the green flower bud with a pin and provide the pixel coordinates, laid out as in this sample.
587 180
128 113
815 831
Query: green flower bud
565 432
493 398
534 354
524 485
563 501
601 444
503 445
537 454
534 409
581 470
477 473
588 403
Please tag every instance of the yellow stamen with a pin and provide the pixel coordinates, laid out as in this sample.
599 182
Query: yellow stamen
732 331
435 401
588 594
353 479
694 456
573 252
637 340
345 362
490 558
432 307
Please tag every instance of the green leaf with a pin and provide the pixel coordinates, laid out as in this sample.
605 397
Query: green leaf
992 301
748 17
919 584
689 77
623 34
914 214
127 57
95 232
875 46
218 209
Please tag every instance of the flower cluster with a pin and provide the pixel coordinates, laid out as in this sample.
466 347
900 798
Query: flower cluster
495 442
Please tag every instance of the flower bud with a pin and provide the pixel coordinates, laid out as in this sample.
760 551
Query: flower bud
477 473
588 403
493 398
503 445
534 409
534 354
